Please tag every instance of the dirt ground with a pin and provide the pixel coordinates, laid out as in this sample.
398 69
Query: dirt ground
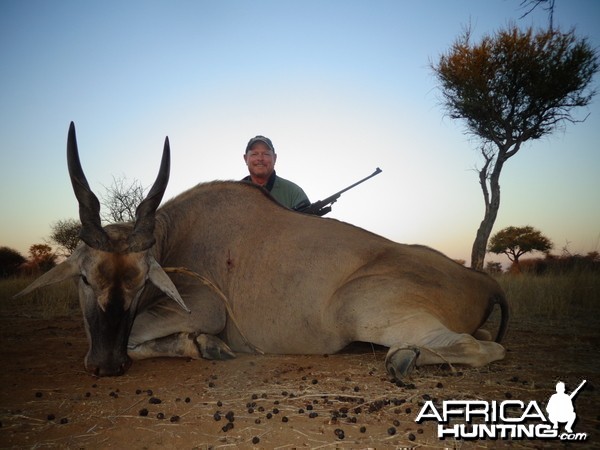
337 401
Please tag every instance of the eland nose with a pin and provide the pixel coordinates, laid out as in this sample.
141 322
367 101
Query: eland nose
109 370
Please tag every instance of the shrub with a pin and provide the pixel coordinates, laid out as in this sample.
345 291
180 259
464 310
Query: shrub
10 261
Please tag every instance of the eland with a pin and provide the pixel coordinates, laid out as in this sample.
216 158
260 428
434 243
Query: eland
266 279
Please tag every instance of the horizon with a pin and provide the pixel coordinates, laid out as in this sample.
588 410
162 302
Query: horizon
339 87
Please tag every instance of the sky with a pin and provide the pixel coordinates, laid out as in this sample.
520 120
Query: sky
340 87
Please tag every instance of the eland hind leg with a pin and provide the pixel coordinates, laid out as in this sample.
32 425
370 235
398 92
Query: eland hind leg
447 347
420 339
415 337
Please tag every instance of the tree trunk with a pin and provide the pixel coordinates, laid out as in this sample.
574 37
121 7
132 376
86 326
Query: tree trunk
492 204
483 234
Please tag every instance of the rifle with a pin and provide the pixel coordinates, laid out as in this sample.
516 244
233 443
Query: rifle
322 207
574 393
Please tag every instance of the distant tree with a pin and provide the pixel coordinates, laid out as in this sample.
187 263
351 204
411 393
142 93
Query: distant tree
121 200
10 261
514 242
65 235
593 256
493 267
512 87
41 258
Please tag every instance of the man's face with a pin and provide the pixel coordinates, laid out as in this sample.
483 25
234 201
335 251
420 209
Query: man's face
260 161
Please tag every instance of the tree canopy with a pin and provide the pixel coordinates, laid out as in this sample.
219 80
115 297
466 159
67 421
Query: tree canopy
121 200
65 234
41 258
517 85
514 242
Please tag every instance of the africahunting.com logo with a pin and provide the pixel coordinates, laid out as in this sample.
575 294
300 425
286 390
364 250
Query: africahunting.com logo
509 419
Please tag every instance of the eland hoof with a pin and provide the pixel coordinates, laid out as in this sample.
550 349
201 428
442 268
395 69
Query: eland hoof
212 347
401 361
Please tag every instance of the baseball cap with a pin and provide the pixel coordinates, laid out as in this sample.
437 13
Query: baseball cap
264 140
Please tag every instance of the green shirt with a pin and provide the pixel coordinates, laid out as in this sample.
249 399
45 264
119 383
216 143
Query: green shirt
287 193
284 191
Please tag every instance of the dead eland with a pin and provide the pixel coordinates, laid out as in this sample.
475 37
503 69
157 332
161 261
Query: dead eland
267 278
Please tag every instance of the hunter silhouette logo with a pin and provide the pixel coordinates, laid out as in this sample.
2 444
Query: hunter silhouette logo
508 419
560 407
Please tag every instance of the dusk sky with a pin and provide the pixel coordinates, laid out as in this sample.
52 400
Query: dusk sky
341 87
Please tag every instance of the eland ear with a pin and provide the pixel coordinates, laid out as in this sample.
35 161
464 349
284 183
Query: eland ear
161 280
65 270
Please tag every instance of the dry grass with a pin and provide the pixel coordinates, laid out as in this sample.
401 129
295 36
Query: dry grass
52 301
552 295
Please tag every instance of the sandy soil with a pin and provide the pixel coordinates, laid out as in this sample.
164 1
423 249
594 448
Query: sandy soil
336 401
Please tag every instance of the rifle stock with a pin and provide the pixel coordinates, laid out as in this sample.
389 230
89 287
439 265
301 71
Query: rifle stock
322 207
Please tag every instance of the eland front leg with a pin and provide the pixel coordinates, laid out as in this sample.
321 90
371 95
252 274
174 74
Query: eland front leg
187 345
165 330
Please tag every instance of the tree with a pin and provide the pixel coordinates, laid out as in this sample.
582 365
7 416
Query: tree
65 235
41 258
513 87
10 261
493 267
120 203
121 200
514 242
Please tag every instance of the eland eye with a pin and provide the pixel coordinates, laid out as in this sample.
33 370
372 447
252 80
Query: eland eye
85 280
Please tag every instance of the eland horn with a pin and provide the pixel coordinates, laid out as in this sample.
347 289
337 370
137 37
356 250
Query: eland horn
92 232
142 237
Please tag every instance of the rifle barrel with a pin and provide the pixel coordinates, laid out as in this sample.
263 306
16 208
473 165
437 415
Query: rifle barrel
322 204
377 171
574 393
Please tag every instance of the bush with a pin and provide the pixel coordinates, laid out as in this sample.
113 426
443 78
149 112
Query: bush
10 261
552 264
